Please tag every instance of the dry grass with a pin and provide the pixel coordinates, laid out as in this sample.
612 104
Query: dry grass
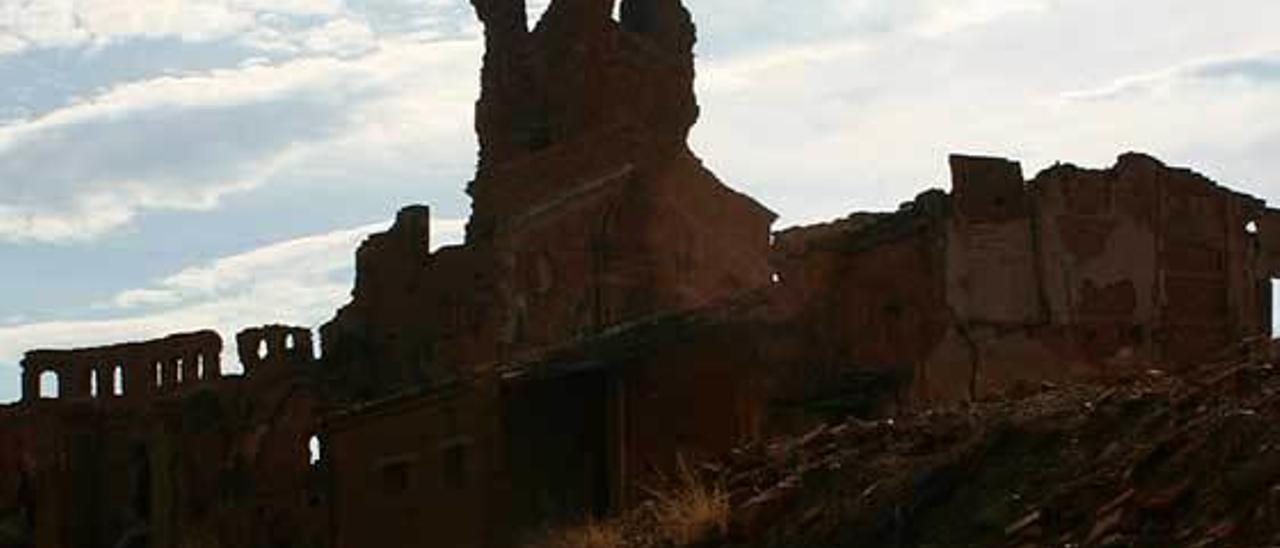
692 510
592 534
688 510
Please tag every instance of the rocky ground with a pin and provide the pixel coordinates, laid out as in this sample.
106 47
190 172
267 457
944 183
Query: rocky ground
1155 459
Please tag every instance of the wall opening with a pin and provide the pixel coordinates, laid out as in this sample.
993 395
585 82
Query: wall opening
117 381
140 482
455 466
178 371
1275 305
289 342
395 477
1251 227
159 377
26 505
93 383
49 385
558 459
262 349
200 373
314 449
534 10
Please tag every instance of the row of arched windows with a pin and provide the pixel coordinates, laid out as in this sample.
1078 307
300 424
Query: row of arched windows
50 384
113 384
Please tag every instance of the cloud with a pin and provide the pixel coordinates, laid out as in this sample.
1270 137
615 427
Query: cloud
299 282
303 261
306 262
67 23
171 142
187 141
184 142
817 125
1250 68
71 23
755 26
939 18
298 26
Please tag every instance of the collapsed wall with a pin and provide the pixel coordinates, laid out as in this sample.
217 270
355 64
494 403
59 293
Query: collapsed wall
152 444
125 372
589 210
1003 282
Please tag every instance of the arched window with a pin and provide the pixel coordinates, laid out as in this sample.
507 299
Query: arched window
159 378
534 10
117 381
262 349
93 383
177 368
199 366
1275 305
49 385
314 449
289 342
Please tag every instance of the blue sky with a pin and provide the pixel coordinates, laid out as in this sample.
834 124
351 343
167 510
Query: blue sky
168 165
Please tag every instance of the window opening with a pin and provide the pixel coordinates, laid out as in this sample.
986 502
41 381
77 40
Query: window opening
49 385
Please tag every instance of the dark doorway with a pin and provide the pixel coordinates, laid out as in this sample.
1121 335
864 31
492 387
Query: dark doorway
557 448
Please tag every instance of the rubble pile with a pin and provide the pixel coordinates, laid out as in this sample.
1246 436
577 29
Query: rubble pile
1155 459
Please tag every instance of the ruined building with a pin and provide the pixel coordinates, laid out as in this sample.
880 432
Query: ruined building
615 307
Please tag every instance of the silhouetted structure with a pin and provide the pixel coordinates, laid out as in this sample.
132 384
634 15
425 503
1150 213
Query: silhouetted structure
615 306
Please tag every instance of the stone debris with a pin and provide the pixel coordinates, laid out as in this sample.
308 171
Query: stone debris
1149 460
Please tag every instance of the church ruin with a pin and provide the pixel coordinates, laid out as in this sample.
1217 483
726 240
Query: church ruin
616 307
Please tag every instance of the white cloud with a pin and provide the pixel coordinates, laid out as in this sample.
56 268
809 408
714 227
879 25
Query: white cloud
306 262
941 17
98 23
184 142
65 23
301 27
297 282
1253 68
866 120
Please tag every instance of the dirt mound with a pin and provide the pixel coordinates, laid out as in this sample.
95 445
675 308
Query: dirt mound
1153 460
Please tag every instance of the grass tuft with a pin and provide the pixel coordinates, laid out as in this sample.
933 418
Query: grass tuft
692 510
591 534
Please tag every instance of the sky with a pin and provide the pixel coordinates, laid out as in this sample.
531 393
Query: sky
171 165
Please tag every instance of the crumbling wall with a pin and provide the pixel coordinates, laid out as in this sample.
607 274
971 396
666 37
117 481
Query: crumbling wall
580 72
1094 272
416 317
17 479
858 305
267 348
420 467
127 372
991 253
1007 283
178 453
589 211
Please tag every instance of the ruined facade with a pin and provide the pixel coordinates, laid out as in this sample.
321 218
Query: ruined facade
589 210
1074 273
616 308
149 444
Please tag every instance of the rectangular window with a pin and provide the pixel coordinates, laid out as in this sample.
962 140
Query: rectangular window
455 466
395 477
